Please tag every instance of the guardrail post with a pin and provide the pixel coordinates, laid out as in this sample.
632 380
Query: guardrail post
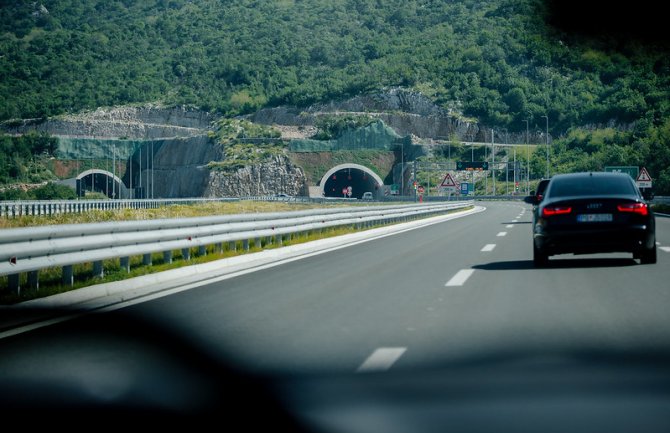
232 246
257 242
147 260
186 253
98 270
167 256
14 283
245 244
278 240
68 275
34 279
125 263
202 250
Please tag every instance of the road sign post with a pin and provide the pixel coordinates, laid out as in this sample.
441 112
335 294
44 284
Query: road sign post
448 184
643 180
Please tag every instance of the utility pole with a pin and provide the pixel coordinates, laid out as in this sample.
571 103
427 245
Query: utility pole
493 161
527 160
113 171
152 169
546 138
402 170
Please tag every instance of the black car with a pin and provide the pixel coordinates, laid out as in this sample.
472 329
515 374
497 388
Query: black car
592 212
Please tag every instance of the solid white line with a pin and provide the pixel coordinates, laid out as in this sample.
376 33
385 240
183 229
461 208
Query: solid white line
381 359
501 234
666 249
488 247
460 278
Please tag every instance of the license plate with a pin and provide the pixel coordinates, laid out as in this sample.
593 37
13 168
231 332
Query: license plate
594 217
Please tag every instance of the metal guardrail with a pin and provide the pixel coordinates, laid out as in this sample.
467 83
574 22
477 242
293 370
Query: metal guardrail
20 208
31 249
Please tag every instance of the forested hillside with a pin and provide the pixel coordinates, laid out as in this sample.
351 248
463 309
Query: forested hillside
500 61
496 60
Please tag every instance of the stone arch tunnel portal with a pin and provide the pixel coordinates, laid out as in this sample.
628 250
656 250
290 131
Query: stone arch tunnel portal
360 178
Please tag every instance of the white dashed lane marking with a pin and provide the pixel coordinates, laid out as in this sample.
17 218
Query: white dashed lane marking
381 359
502 234
488 247
460 278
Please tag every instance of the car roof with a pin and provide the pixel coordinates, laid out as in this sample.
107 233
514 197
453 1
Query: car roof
586 174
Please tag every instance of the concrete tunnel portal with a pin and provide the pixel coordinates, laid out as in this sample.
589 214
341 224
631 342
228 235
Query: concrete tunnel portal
360 178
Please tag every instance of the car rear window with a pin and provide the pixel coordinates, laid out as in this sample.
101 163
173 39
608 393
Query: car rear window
590 185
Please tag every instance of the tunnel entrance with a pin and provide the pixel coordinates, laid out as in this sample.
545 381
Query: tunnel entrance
360 178
100 181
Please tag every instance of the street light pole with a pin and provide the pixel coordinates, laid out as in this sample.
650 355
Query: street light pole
546 175
402 170
493 161
527 160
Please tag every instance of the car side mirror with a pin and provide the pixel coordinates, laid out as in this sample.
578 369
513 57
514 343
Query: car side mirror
530 199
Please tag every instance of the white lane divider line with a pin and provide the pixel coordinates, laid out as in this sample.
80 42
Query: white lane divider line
509 226
666 249
488 247
515 221
460 278
381 359
502 234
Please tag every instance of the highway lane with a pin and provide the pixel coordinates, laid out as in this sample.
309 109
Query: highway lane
462 289
452 291
459 293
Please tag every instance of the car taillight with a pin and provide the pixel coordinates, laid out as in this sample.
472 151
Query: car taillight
638 208
555 210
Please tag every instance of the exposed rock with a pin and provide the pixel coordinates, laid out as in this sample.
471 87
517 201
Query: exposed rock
142 123
274 176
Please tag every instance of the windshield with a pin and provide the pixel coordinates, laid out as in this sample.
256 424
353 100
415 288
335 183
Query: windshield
590 185
318 215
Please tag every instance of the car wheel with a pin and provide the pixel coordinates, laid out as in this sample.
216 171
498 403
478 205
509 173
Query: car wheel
540 258
648 257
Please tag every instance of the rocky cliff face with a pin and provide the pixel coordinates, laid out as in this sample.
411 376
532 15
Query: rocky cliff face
274 176
408 113
139 123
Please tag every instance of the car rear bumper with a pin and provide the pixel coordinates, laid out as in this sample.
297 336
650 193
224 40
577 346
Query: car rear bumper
631 239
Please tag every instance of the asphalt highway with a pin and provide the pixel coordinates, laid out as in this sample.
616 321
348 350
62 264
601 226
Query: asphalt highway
448 293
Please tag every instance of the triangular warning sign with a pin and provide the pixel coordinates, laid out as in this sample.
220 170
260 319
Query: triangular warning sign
643 176
448 181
